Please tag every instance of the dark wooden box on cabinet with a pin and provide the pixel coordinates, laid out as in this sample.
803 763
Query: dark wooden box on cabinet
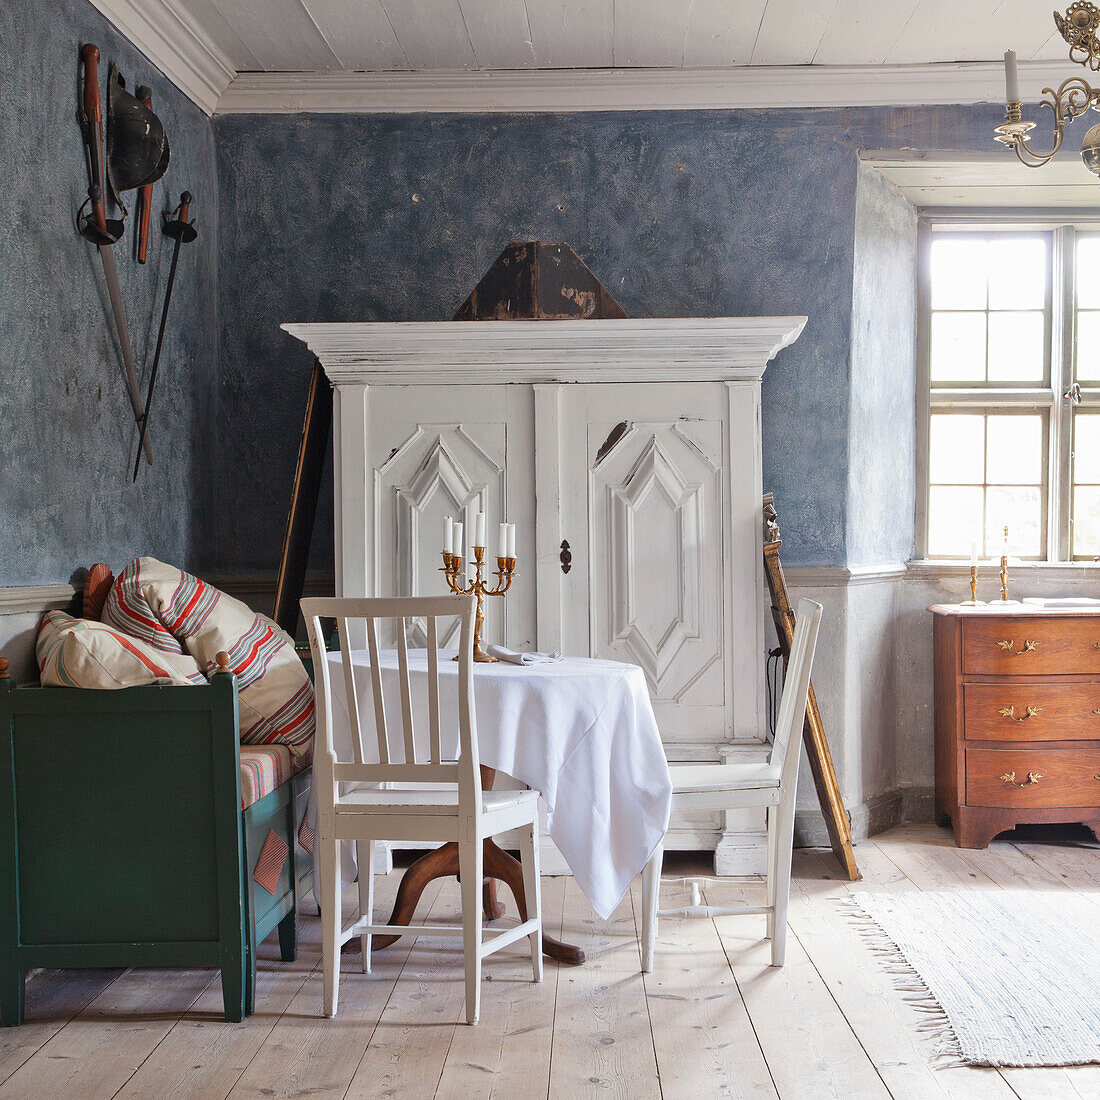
1017 718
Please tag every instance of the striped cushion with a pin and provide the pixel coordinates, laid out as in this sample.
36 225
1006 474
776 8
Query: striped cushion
83 653
176 613
265 767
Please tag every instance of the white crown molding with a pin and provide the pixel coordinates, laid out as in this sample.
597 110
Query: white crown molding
171 39
636 349
545 90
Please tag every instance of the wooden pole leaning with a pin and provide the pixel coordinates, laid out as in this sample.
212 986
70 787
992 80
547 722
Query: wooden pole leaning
813 731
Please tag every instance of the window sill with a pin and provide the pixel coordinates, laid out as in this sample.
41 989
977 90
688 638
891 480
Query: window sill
920 568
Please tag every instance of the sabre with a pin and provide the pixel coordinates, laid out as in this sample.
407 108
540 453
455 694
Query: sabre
102 233
182 232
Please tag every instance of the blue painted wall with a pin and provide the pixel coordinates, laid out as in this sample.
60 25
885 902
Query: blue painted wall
67 435
882 375
390 218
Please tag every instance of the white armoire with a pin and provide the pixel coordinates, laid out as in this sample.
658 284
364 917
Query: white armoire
627 453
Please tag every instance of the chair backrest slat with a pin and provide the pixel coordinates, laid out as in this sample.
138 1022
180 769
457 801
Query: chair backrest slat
435 750
796 687
406 692
351 695
350 613
376 685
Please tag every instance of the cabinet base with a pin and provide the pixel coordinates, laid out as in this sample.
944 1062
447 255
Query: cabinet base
976 826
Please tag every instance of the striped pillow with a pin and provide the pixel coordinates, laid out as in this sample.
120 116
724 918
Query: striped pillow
86 654
176 613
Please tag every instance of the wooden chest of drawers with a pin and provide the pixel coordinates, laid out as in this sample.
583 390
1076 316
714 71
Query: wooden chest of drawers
1017 718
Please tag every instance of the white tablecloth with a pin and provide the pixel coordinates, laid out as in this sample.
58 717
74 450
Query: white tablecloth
579 731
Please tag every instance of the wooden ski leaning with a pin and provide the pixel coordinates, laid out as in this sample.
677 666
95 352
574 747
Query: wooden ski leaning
813 732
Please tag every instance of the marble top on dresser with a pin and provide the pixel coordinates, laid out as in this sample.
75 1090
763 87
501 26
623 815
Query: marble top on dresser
1012 609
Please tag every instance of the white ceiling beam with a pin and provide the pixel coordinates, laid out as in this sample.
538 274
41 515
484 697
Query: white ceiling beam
545 90
939 178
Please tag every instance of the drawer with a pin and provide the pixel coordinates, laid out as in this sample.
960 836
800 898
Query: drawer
1022 778
1019 711
1032 645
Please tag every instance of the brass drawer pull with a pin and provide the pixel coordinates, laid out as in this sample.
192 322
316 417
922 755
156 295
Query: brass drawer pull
1010 712
1010 777
1029 647
1096 645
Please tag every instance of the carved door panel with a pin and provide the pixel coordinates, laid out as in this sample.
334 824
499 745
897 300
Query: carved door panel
452 451
643 501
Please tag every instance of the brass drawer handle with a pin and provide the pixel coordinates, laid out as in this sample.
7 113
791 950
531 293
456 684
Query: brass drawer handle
1096 645
1010 712
1010 778
1029 647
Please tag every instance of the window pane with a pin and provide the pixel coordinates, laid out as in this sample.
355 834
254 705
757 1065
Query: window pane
1088 273
1016 347
1086 521
1088 346
1086 448
958 347
1017 273
1014 450
956 450
958 273
954 520
1017 507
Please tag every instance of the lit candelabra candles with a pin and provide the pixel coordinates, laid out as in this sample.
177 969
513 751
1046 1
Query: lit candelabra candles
462 584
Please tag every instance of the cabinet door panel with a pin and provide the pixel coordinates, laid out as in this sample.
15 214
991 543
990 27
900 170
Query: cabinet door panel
643 501
452 452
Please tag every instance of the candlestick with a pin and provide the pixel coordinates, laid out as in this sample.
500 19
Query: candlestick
505 571
973 601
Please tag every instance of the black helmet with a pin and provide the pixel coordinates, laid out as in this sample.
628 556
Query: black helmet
137 146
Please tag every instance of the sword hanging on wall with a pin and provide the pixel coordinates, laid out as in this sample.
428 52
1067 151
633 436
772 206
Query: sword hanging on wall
182 232
95 227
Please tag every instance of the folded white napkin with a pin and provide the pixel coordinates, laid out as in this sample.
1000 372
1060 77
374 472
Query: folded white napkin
513 658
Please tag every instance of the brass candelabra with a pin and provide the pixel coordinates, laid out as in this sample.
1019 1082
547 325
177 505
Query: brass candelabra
452 570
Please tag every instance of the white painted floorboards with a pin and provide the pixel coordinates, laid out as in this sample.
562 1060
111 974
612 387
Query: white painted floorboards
712 1020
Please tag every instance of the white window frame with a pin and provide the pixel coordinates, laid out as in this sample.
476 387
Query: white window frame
1064 227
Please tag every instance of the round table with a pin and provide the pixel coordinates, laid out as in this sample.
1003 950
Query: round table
580 731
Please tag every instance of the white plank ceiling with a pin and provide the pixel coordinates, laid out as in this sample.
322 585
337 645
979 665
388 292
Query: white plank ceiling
470 35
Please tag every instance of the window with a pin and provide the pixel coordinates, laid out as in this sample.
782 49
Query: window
1011 426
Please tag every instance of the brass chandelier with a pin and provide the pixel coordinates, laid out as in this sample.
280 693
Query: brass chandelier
1072 97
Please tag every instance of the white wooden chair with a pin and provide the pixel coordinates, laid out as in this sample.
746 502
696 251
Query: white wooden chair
734 786
460 811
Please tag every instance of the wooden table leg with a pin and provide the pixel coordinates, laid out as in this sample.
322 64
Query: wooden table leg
443 861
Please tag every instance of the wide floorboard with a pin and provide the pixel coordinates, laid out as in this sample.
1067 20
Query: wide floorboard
713 1019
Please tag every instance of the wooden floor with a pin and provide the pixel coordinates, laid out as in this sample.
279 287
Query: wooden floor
712 1020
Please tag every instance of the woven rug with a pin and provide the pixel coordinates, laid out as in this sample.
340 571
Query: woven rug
1007 978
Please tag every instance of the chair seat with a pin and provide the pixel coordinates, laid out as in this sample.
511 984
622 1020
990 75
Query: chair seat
723 777
443 802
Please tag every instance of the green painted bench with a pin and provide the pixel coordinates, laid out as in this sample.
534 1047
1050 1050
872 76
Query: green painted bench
123 842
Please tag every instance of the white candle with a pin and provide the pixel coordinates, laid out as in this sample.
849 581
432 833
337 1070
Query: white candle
502 540
479 529
511 540
457 539
448 535
1012 78
973 553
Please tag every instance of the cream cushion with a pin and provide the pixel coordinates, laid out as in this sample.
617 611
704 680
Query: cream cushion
84 653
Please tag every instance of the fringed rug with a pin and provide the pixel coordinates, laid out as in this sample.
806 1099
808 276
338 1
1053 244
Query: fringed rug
1007 978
